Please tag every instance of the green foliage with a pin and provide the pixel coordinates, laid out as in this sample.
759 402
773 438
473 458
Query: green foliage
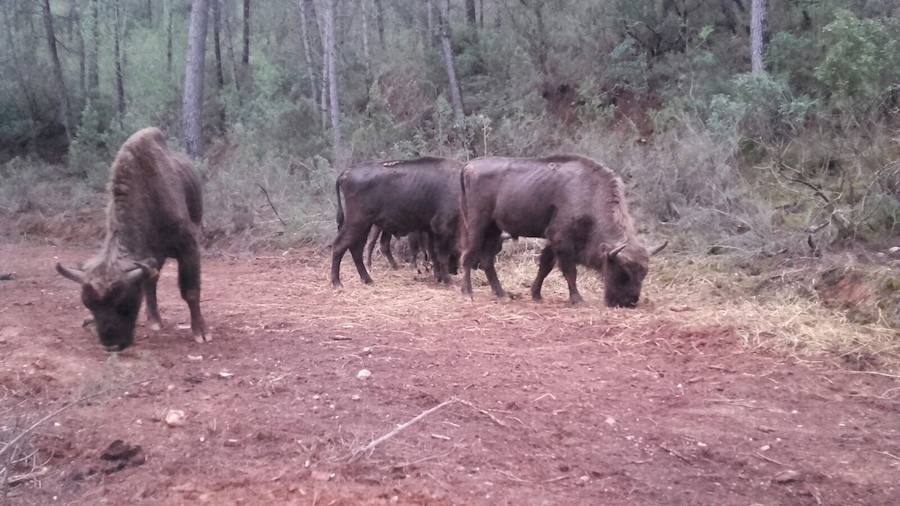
861 62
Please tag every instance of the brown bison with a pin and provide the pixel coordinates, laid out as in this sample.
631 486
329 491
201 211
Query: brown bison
416 242
573 202
155 209
401 197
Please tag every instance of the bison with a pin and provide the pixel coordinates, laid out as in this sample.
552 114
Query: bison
416 242
154 213
401 197
575 203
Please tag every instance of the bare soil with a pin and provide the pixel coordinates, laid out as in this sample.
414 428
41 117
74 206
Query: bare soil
557 404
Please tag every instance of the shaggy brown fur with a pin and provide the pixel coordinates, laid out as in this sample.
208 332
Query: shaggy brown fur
575 203
154 213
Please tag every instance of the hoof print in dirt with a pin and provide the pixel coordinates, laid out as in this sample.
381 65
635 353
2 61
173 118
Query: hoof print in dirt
120 455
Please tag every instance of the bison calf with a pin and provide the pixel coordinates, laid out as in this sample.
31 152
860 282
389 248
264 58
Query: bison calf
155 209
573 202
400 197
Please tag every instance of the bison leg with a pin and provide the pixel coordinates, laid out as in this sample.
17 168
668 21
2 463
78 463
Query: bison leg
152 307
353 238
356 251
492 245
189 284
567 266
370 245
548 258
386 249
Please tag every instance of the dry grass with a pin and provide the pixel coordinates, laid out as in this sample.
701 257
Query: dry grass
678 294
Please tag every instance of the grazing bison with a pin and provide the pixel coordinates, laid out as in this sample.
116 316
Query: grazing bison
154 213
575 203
401 197
416 242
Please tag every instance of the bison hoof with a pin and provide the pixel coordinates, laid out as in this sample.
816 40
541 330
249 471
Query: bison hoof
337 285
536 297
155 326
575 299
203 338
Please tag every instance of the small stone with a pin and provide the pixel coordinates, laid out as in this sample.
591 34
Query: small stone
225 374
195 358
764 448
894 251
367 350
786 476
322 475
610 421
316 397
363 374
175 418
232 443
355 397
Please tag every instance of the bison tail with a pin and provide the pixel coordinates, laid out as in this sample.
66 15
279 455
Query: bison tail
340 208
463 205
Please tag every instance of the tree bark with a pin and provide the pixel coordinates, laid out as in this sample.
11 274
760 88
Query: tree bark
245 57
22 80
93 59
63 96
447 49
379 22
149 12
429 23
333 85
471 14
82 56
217 48
323 90
192 103
365 42
229 39
169 20
757 27
307 53
119 70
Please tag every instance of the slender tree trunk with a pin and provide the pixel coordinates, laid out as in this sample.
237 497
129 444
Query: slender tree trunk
481 14
22 80
229 40
192 103
245 57
118 56
217 51
328 19
379 22
447 49
82 56
93 59
168 16
429 23
307 53
63 112
323 91
471 14
757 26
149 12
365 42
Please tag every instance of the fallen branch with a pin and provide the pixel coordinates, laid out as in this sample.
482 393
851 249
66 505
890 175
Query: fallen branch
674 453
482 411
266 193
400 428
767 459
874 373
22 478
891 455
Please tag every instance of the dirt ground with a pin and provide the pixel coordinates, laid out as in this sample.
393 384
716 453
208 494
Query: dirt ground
550 404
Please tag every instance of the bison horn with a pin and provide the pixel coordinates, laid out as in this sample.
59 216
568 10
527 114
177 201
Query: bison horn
618 249
659 248
140 272
75 275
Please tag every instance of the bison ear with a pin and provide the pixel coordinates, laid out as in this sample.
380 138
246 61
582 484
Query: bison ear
615 251
659 248
75 275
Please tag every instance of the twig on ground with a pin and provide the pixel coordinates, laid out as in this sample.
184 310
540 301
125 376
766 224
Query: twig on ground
400 428
266 193
875 373
22 478
674 453
482 411
891 455
768 459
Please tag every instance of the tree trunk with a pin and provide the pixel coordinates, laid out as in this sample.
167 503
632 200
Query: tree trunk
245 57
118 57
149 12
93 59
328 15
481 14
169 19
323 90
217 51
82 56
22 81
379 22
229 39
471 14
455 94
757 26
429 23
63 112
307 53
192 103
365 42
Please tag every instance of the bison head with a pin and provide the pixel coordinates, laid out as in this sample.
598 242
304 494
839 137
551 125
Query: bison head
624 270
113 296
